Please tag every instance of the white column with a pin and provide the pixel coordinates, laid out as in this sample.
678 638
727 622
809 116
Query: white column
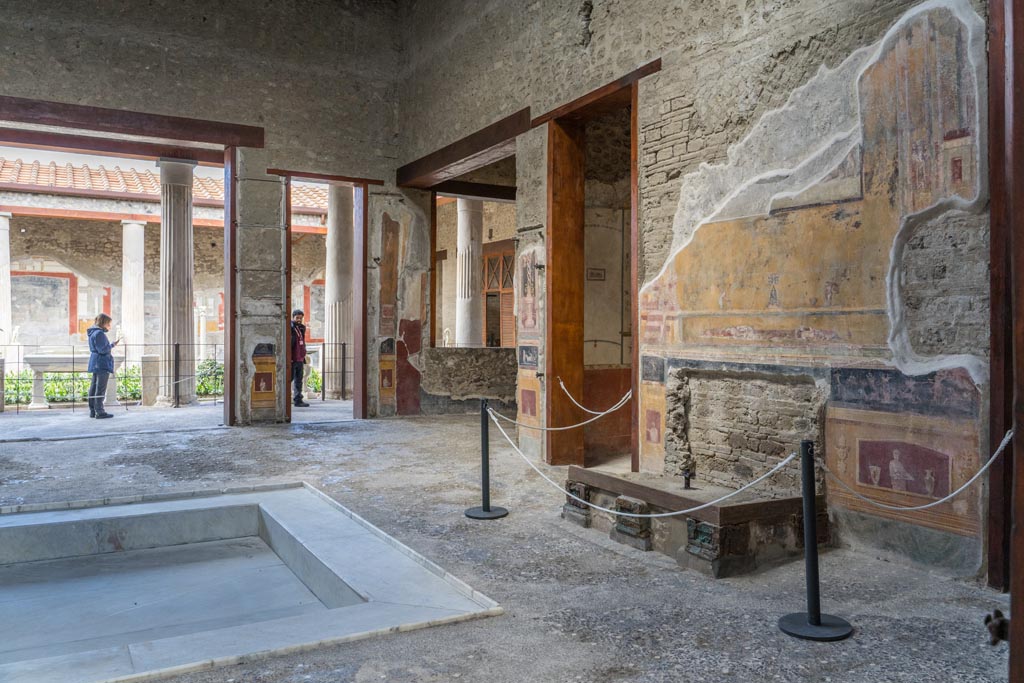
338 287
6 321
469 274
177 324
133 289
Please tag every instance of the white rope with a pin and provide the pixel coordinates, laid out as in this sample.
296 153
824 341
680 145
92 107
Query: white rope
910 508
622 401
634 514
583 408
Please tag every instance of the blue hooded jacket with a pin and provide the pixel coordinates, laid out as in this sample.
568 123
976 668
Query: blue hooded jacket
100 357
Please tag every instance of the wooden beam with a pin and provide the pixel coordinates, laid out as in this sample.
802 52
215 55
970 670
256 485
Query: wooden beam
231 361
491 193
288 300
563 350
474 151
606 98
433 295
1013 83
122 122
337 179
1001 338
130 149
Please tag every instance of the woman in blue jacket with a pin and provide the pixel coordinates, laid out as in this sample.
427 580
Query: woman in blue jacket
101 364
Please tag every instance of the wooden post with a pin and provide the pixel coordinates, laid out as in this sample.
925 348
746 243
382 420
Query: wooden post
563 349
1011 200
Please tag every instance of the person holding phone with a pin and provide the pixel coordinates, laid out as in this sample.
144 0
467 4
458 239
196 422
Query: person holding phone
101 364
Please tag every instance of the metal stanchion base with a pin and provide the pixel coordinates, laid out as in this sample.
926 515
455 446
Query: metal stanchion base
831 628
479 513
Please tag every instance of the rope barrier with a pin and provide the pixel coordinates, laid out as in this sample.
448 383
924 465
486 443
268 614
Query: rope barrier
578 405
622 401
633 514
911 508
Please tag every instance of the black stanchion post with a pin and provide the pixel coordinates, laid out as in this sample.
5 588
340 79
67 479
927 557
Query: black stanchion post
812 624
344 371
177 373
485 511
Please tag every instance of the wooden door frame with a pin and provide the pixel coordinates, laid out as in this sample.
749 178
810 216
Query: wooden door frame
1006 184
623 92
360 204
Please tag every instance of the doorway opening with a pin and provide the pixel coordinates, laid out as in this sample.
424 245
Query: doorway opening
591 277
474 265
325 234
83 235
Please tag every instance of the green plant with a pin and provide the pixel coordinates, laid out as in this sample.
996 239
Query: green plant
315 382
210 378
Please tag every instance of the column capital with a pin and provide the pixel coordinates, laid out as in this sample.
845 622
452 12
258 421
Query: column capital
176 171
8 215
134 221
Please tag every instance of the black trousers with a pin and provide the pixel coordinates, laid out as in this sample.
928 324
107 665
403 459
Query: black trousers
298 372
97 392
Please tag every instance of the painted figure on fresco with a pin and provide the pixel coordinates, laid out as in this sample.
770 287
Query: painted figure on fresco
929 482
528 291
653 430
529 402
898 474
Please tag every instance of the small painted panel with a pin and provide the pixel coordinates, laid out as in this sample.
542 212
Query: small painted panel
387 347
407 376
902 466
905 459
528 402
652 369
652 426
528 356
388 270
529 324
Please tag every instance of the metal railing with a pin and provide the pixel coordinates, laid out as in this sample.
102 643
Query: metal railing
56 376
334 371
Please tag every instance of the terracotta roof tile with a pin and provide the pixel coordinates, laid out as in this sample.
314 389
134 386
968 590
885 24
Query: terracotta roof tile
145 183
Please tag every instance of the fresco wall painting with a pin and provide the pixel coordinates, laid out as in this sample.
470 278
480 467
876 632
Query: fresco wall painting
788 255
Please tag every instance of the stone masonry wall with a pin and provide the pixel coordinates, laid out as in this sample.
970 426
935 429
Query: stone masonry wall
946 285
732 427
470 373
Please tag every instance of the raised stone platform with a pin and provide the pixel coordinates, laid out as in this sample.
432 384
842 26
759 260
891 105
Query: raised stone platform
723 540
133 588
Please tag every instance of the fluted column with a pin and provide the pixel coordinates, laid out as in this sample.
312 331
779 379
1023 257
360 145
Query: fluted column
133 289
469 273
338 286
6 321
177 324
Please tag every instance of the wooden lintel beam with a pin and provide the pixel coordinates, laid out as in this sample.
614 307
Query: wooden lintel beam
122 122
606 93
494 193
485 146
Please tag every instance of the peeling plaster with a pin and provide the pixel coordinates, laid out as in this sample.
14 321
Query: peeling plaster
795 147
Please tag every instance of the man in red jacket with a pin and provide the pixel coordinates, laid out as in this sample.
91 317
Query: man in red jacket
298 356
